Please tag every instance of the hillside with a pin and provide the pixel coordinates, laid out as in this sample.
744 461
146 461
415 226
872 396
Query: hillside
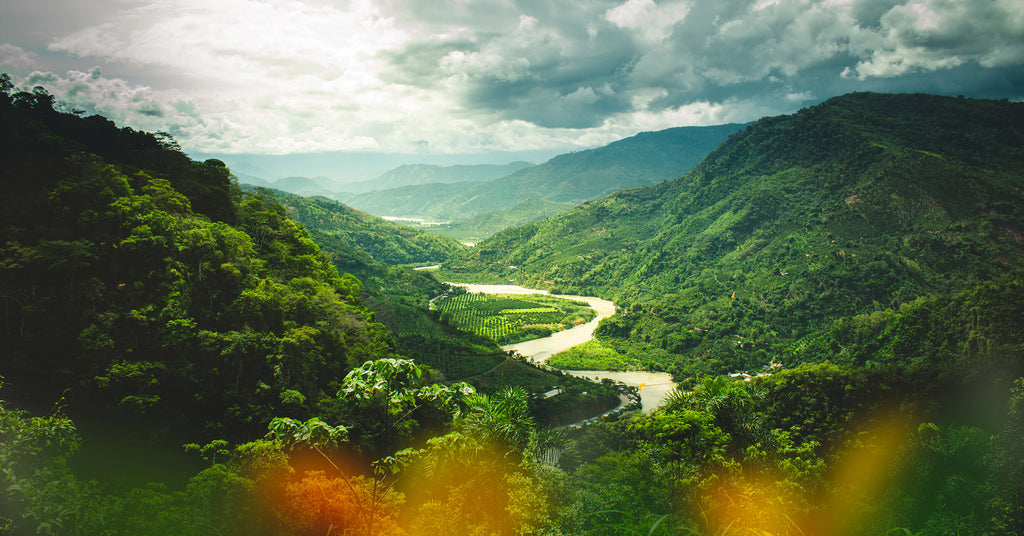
383 241
151 297
415 174
484 225
859 204
646 158
372 249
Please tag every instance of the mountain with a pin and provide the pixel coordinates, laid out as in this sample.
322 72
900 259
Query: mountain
646 158
180 357
151 296
483 225
295 185
303 185
415 174
861 204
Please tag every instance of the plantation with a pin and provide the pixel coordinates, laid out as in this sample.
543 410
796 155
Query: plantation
508 319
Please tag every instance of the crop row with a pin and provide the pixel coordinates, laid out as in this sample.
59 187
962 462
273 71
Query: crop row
504 318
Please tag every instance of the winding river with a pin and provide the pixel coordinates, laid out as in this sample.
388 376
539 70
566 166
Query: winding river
654 386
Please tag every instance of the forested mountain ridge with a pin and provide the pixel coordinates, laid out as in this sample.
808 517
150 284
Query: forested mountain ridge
484 225
201 315
858 204
575 177
382 240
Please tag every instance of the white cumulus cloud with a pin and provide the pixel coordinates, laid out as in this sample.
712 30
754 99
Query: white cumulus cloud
452 76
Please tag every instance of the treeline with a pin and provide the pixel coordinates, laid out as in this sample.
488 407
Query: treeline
820 449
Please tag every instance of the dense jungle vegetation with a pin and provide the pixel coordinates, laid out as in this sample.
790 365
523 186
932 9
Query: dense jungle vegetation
181 357
481 226
331 222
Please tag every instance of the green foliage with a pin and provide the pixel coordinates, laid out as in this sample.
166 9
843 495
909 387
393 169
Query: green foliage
313 432
818 450
40 495
125 277
593 355
390 401
334 225
976 325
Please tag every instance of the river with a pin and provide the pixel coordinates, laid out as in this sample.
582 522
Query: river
654 386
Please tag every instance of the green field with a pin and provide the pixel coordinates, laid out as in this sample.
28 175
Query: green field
508 319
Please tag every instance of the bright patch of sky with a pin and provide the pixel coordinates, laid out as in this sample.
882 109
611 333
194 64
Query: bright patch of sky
437 77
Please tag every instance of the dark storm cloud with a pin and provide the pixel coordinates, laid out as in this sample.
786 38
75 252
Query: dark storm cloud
476 75
551 64
418 63
579 64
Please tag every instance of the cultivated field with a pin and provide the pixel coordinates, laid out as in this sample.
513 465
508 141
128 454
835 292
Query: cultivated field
512 318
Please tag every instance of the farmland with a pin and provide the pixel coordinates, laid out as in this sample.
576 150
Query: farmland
508 319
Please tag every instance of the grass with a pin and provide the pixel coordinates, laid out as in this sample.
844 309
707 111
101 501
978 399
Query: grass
592 355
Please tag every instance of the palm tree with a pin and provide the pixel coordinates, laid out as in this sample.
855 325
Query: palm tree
735 405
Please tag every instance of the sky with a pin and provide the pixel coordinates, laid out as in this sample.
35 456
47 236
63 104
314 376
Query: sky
466 77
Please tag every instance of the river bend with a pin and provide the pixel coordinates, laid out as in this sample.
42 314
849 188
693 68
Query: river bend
654 386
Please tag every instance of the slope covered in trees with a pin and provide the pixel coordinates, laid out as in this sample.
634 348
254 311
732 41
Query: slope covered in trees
879 232
383 241
860 204
481 226
198 314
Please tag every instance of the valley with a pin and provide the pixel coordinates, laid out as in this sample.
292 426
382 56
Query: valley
187 355
653 387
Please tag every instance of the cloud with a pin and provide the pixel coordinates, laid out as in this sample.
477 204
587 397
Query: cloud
13 56
452 76
941 34
116 99
652 21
